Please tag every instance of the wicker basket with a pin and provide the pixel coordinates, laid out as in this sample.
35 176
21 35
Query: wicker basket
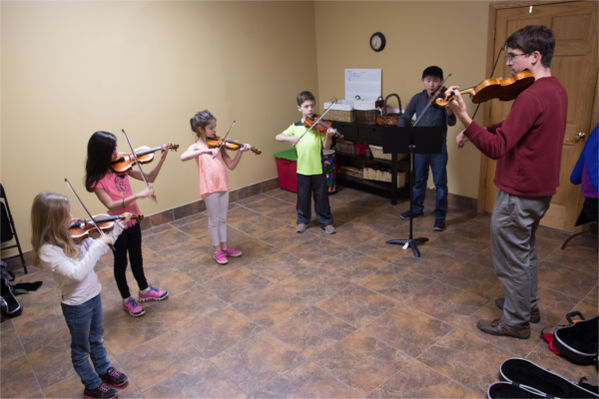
388 119
341 116
377 153
366 117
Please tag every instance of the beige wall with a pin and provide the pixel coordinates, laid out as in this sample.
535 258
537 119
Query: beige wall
451 35
70 68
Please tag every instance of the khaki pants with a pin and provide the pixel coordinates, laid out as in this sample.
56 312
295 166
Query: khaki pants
513 226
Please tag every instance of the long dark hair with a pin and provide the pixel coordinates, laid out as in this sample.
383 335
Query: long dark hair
99 156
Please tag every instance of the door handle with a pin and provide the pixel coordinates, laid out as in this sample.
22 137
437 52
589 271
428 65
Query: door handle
581 136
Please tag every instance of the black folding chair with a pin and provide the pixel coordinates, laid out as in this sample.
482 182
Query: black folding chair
7 227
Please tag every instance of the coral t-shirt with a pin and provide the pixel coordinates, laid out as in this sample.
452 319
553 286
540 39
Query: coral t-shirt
117 187
212 172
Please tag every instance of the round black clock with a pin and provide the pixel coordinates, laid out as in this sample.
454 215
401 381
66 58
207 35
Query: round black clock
377 41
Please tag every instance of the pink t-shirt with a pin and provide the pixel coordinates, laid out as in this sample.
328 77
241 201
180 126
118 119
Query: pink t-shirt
117 187
212 172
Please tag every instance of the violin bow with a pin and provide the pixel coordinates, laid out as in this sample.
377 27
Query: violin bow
223 139
85 209
333 101
435 94
143 175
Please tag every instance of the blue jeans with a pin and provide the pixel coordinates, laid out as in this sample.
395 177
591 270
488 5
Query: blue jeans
86 324
438 165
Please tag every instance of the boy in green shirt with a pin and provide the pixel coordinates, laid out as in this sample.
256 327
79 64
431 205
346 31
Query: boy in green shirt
310 171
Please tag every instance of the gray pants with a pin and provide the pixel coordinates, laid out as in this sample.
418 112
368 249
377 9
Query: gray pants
513 226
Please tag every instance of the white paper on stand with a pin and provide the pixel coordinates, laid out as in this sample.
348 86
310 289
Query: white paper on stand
365 83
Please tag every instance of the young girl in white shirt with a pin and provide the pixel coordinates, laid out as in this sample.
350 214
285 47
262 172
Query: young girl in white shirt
213 181
72 266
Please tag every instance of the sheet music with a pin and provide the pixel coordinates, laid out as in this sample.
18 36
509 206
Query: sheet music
365 83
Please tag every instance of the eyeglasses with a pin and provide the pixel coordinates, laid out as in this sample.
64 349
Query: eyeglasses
511 56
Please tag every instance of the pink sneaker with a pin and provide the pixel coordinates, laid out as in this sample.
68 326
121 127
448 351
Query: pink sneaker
133 307
220 258
154 294
231 252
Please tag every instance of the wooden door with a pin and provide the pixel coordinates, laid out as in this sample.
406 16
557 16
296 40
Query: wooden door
574 63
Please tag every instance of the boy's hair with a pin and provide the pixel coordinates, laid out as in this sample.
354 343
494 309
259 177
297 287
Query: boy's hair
201 120
433 71
534 38
48 214
303 96
99 157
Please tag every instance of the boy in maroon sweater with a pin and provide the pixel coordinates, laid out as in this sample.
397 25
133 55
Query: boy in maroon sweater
527 146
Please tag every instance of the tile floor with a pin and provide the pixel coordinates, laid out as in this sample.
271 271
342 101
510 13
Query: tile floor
308 315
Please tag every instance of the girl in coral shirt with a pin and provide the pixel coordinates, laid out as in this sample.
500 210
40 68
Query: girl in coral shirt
213 181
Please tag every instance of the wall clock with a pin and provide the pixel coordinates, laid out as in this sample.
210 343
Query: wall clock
377 41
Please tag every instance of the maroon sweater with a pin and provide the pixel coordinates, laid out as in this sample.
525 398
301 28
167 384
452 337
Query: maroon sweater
528 143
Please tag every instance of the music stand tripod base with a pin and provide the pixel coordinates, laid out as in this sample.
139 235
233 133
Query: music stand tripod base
410 242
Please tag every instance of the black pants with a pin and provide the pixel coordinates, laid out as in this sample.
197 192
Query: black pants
129 240
305 185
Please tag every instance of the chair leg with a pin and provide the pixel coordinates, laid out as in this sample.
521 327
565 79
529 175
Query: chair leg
571 237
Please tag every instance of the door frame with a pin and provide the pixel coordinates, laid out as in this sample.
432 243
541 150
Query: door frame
490 59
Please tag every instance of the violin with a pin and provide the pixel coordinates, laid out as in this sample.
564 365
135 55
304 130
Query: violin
81 229
440 95
321 126
503 89
216 142
144 154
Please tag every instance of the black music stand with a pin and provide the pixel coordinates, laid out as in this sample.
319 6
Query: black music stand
413 140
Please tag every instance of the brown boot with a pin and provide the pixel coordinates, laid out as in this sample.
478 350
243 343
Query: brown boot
497 327
535 313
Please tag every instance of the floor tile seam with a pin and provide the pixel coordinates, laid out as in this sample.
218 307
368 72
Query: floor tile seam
570 268
450 378
561 293
225 372
454 328
451 329
26 356
329 373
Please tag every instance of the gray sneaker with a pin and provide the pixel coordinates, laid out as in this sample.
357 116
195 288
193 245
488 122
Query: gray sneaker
330 229
301 227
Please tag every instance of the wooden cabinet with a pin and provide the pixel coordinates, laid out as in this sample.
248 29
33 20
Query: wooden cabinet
370 135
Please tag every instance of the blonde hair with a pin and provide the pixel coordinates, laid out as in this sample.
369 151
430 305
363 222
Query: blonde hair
48 214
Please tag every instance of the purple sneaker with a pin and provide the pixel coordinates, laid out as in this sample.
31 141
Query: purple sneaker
220 257
101 392
114 377
133 307
153 294
231 252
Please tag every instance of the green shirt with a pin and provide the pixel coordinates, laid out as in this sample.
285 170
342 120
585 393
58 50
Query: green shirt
309 149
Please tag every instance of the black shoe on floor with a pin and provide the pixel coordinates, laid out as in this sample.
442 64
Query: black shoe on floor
439 225
406 215
114 377
101 392
535 314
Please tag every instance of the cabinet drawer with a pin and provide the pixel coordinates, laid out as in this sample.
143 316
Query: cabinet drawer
350 132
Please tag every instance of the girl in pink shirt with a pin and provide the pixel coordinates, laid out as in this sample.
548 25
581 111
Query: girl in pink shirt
114 191
213 181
